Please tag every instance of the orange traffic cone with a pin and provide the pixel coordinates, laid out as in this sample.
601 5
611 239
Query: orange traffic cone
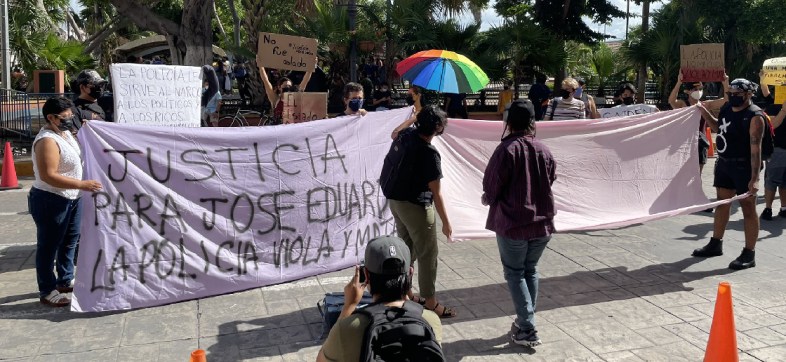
722 345
8 178
711 151
198 356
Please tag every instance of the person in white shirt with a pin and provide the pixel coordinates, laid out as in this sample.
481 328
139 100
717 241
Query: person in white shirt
566 106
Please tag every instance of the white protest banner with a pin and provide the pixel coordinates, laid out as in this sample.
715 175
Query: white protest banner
624 111
190 213
279 51
702 62
304 107
157 95
610 172
774 72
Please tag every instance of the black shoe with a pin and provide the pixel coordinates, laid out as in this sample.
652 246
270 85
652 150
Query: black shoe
707 210
713 248
782 213
766 214
746 260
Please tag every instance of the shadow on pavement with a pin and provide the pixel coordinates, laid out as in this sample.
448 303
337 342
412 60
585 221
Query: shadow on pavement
16 258
768 229
576 289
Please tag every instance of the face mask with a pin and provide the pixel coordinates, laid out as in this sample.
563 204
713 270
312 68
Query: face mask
410 100
578 93
355 104
736 100
564 93
286 89
66 124
95 92
627 101
696 95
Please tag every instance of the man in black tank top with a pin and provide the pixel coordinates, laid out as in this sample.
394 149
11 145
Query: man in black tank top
740 127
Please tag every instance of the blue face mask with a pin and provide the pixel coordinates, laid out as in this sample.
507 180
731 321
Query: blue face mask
355 104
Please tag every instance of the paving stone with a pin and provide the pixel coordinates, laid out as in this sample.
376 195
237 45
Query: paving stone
162 352
147 329
605 337
622 356
679 351
774 353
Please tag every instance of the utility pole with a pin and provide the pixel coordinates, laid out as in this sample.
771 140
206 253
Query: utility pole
6 50
627 21
353 51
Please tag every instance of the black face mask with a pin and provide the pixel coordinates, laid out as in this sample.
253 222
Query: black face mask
410 101
67 124
564 93
736 100
627 101
95 92
286 89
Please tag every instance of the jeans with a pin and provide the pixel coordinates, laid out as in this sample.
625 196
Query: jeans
57 220
520 264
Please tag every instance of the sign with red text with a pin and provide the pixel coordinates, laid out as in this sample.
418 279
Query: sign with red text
304 107
280 51
774 72
702 62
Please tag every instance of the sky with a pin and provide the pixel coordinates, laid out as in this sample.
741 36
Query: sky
489 18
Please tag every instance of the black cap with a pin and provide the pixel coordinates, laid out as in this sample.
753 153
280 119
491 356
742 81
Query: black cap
743 85
384 249
90 76
520 109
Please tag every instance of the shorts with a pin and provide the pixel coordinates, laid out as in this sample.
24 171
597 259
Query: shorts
733 174
775 173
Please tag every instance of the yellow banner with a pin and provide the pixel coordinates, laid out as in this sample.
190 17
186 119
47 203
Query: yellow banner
780 94
774 72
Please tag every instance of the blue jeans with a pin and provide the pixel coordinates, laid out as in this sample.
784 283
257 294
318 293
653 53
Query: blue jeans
520 264
57 220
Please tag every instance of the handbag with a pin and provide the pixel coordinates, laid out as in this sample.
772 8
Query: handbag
330 308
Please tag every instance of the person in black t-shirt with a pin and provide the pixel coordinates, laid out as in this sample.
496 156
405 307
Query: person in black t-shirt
775 171
382 98
91 87
740 128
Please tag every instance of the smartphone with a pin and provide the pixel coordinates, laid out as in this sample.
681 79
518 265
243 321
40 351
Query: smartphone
362 273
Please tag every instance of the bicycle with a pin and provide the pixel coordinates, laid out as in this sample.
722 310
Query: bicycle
239 119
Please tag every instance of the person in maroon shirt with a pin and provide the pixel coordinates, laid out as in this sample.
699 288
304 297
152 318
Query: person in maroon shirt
517 189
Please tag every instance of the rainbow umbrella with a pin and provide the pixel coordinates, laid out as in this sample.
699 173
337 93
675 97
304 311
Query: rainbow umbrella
443 71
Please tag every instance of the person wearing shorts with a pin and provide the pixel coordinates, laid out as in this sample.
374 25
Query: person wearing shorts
775 170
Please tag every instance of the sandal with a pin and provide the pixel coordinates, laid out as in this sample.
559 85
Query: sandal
56 299
418 299
447 312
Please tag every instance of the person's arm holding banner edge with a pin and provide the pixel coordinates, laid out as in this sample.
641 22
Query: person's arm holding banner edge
712 122
756 130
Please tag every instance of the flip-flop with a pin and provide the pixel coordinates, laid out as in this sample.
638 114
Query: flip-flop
418 299
447 312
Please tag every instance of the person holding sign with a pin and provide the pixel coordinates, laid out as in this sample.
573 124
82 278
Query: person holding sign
740 128
775 171
694 92
283 85
54 201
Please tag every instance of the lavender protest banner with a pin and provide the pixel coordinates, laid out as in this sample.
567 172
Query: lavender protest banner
624 111
702 62
157 95
774 72
190 213
304 106
281 51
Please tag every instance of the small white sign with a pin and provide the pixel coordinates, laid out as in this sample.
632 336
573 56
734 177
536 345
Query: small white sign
157 95
624 111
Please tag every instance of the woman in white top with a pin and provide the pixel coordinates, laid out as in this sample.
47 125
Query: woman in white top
54 201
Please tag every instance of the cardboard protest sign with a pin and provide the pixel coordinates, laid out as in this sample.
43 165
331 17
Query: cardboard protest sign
624 111
157 95
774 71
280 51
702 62
304 107
780 94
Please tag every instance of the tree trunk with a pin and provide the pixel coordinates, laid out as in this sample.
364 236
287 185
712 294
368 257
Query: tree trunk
235 22
645 26
256 12
196 32
79 34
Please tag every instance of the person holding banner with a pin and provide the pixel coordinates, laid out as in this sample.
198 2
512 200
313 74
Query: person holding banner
211 96
54 201
91 87
775 171
694 92
276 95
353 100
740 126
517 188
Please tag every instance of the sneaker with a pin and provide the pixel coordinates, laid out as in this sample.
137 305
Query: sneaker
747 259
68 288
713 248
56 299
708 210
766 214
526 338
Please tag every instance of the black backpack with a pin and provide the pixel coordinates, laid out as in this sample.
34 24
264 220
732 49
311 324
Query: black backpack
398 334
768 141
396 170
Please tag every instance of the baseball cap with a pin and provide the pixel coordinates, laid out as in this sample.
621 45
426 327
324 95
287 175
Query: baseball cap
520 109
380 251
90 76
743 85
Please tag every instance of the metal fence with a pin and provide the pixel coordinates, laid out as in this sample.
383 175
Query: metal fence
15 118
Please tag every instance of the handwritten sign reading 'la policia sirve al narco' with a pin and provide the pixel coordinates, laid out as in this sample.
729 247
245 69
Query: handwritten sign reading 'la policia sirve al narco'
702 62
280 51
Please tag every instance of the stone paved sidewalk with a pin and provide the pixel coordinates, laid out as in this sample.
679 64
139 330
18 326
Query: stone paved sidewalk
632 294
